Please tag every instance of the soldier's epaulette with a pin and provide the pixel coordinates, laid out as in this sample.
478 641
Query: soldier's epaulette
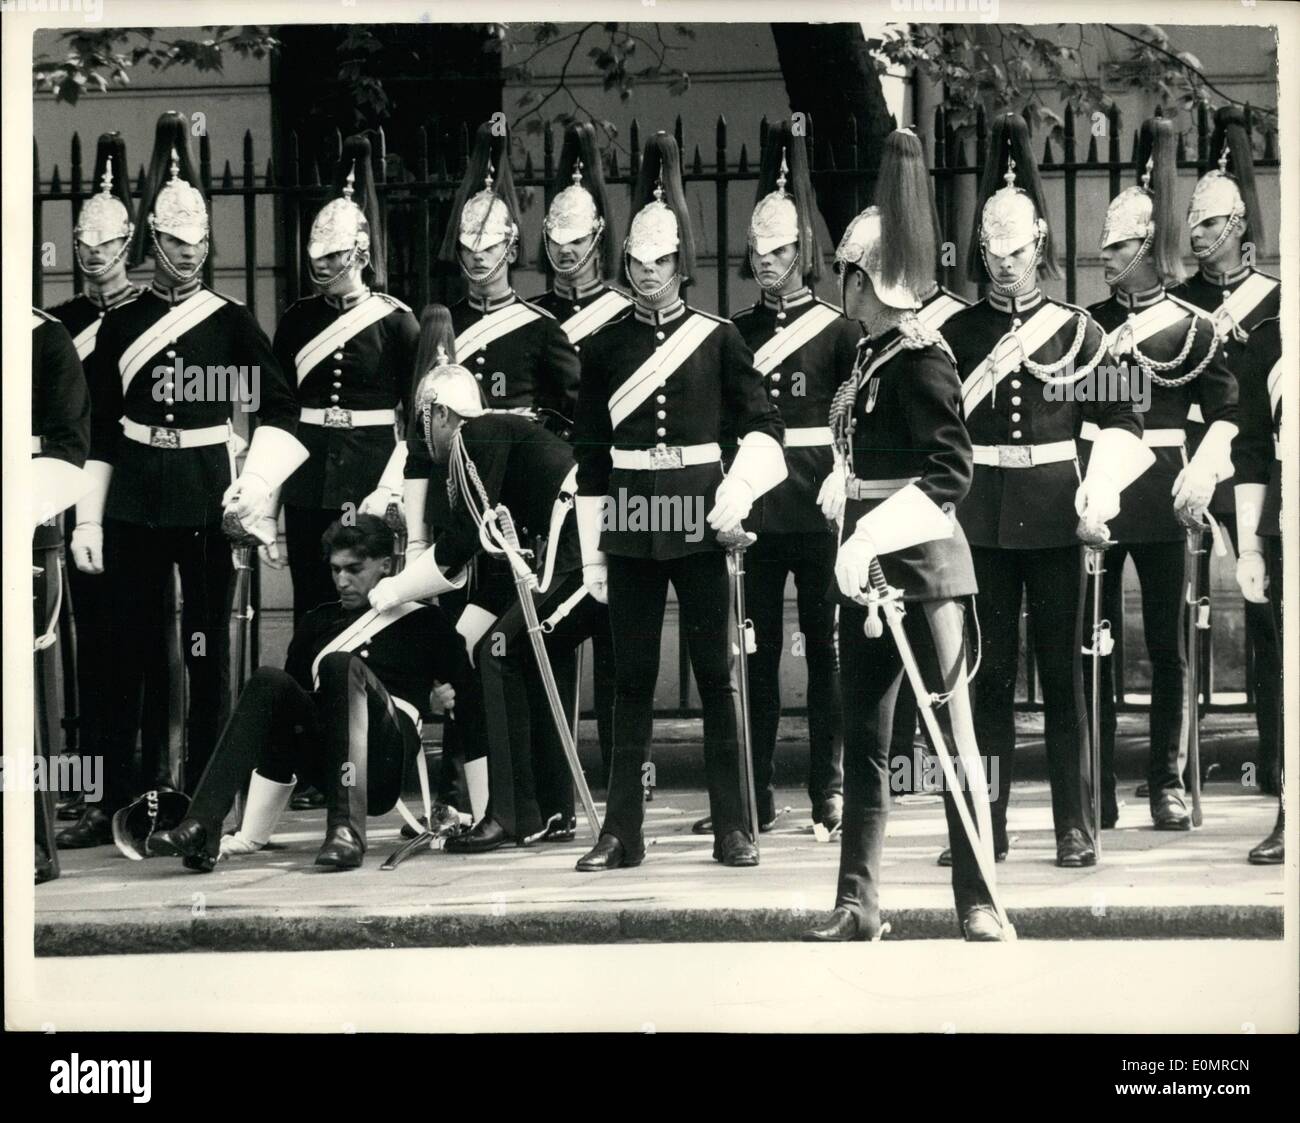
833 307
708 315
388 298
917 335
42 317
224 296
747 311
618 318
1190 308
536 308
954 295
304 300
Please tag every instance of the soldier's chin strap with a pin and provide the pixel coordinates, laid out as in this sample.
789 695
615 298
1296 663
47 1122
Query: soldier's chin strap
169 267
574 270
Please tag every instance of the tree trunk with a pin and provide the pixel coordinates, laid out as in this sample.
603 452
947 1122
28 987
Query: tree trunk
830 78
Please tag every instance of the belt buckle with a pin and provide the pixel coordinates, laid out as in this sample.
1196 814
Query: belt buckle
162 437
336 417
1015 456
666 457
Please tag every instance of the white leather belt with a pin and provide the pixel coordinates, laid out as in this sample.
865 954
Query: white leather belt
813 437
665 456
335 417
38 446
875 489
159 436
1024 456
1152 438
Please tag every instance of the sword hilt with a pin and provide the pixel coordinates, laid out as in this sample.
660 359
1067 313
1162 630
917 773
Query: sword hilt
737 539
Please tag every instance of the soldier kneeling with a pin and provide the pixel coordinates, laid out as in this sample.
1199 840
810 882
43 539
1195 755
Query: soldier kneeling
343 714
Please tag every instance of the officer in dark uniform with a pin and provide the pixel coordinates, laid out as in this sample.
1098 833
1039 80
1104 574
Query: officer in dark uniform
1257 458
60 440
166 373
1174 355
101 241
1020 356
804 350
345 711
1224 218
520 356
899 426
350 350
663 386
499 458
580 254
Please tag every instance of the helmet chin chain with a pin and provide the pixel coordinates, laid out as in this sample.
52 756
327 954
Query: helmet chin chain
109 266
326 286
1141 253
1018 285
573 271
170 269
489 275
776 285
1211 250
651 298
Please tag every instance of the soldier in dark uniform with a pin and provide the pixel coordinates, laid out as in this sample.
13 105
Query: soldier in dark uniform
1224 219
499 458
166 374
60 440
350 350
520 356
804 349
580 254
101 241
1257 458
345 711
1174 355
1020 356
899 425
663 386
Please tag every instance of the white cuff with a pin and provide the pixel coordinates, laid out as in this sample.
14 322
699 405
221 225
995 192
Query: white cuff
1215 451
1119 457
392 475
274 455
759 464
909 517
425 578
588 510
56 487
1250 503
90 506
415 494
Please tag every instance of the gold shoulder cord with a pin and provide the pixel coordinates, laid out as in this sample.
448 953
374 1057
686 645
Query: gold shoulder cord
1044 372
1150 366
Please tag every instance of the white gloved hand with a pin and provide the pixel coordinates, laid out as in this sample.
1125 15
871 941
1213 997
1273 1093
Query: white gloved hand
1097 500
1194 486
446 695
731 504
378 502
267 532
832 496
595 576
88 547
247 498
1252 577
385 595
853 564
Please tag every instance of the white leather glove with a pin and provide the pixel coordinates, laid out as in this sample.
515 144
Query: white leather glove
595 576
266 530
853 564
88 547
1252 577
833 495
385 595
1194 486
378 502
732 503
1097 500
247 499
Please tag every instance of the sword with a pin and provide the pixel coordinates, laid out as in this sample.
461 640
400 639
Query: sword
736 542
881 595
1198 620
500 537
244 552
1103 643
